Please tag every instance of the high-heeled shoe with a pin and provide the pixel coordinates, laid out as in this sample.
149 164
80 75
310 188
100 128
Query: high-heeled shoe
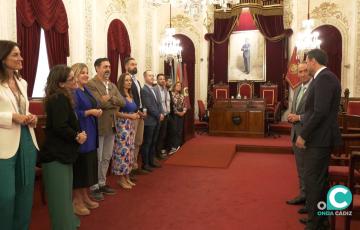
130 182
124 185
81 211
91 204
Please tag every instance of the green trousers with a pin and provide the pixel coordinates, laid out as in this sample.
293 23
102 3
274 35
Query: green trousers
58 181
17 175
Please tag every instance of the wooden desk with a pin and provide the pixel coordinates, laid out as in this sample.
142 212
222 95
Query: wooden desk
238 118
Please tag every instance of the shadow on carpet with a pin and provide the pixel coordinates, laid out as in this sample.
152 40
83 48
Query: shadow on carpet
202 153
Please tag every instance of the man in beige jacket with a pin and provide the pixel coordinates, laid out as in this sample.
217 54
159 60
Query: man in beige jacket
110 101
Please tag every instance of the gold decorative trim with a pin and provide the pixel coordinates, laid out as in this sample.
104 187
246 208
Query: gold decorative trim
88 35
115 6
183 22
326 10
288 14
255 7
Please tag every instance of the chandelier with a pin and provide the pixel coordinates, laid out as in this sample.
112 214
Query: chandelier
307 39
170 48
195 8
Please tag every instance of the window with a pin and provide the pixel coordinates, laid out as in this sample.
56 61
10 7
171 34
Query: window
42 71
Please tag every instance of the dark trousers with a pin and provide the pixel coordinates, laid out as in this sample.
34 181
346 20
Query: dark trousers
160 145
149 142
300 166
178 131
316 183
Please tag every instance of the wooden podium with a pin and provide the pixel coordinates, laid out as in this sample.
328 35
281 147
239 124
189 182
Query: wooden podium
235 117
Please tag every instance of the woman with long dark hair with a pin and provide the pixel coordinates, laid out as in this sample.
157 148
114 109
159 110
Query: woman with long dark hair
124 146
61 146
17 142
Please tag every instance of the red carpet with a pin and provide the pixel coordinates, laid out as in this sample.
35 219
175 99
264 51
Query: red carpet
250 194
203 152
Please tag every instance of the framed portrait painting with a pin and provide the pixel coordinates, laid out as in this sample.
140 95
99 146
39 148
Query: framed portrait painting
247 56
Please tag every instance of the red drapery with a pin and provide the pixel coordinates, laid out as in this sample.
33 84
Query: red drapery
218 52
272 28
118 47
51 16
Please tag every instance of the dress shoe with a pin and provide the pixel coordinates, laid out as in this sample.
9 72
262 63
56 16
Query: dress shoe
155 165
139 171
91 204
107 190
303 220
296 201
97 195
147 168
302 210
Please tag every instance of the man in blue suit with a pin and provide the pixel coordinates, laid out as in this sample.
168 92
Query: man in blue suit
320 133
152 102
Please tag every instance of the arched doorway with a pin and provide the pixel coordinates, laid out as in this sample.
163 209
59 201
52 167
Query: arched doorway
332 45
188 60
118 46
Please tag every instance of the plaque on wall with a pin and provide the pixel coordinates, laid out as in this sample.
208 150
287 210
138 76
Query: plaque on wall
247 57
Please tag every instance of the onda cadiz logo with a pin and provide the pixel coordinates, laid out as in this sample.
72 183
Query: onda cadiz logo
339 198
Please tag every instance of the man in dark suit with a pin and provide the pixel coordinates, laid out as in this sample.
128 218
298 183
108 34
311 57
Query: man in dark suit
152 102
320 133
131 67
296 117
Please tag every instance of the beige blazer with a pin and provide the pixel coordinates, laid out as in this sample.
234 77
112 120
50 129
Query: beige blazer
107 120
9 130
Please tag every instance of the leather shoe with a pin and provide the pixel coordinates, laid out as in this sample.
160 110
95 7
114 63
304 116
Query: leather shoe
155 165
296 201
303 220
302 210
140 171
147 168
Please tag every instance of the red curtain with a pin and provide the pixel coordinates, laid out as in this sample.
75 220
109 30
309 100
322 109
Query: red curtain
118 47
272 28
218 54
51 16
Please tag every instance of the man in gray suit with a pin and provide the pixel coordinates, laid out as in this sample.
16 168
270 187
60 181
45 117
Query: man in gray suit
296 117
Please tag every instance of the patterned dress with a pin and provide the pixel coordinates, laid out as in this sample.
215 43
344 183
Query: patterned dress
124 146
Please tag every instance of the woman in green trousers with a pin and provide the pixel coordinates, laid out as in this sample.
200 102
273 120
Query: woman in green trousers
17 142
60 149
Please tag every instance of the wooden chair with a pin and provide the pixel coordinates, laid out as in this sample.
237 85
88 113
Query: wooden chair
246 89
36 107
221 91
202 125
269 92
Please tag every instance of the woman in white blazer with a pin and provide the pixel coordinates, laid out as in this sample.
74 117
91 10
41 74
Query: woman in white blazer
17 142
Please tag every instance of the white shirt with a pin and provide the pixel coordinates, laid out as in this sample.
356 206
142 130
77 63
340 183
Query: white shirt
319 70
306 85
165 99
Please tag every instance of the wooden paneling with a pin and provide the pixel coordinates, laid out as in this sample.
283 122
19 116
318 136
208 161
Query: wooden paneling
248 113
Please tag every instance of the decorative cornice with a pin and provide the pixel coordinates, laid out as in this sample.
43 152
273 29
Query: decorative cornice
184 23
329 10
118 6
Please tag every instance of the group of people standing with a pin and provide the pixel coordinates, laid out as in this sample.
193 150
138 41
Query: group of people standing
314 134
89 123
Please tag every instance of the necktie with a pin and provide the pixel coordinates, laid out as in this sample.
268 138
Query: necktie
300 95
